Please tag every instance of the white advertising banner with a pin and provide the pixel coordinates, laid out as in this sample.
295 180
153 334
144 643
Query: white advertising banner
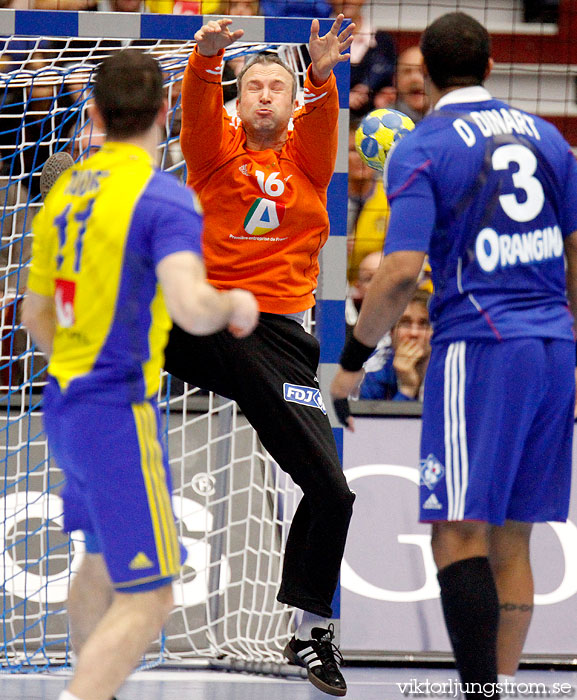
389 595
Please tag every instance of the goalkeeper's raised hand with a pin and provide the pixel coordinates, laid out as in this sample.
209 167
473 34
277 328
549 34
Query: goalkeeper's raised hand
215 35
326 51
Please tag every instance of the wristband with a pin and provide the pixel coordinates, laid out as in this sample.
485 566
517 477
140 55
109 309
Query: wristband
355 354
342 410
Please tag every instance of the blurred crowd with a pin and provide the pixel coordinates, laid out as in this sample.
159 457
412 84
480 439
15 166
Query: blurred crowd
381 77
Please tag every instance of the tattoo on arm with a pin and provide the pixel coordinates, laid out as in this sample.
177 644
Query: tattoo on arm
514 607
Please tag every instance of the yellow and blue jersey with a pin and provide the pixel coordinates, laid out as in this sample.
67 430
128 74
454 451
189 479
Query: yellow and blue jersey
103 229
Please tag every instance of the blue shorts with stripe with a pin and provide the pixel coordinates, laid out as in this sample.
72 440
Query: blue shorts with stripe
118 486
497 432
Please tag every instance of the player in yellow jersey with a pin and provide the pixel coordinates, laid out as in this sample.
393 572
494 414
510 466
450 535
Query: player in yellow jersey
116 253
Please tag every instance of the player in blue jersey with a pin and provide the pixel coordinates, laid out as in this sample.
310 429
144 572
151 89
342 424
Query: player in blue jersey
116 254
490 192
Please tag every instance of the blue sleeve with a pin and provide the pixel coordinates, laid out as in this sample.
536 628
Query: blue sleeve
411 198
174 224
568 214
176 229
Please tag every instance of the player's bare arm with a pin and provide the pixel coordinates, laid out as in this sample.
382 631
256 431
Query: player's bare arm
388 294
244 312
216 35
327 51
199 308
39 317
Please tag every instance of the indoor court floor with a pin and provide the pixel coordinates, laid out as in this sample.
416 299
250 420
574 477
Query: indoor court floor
364 684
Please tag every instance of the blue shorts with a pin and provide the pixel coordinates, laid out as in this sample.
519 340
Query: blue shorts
118 486
497 431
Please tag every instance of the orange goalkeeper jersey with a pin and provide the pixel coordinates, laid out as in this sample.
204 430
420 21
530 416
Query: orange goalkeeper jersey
265 216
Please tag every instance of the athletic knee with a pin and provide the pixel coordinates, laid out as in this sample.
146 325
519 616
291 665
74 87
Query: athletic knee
454 541
508 562
156 604
509 546
164 601
92 580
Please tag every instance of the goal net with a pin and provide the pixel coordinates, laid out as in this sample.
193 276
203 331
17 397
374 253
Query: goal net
233 504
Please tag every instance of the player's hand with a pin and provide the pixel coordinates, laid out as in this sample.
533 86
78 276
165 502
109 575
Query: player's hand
215 35
244 313
409 367
345 384
326 51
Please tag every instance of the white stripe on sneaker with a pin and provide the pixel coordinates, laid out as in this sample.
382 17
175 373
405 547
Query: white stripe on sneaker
309 656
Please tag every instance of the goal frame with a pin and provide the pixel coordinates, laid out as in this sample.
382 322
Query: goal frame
330 295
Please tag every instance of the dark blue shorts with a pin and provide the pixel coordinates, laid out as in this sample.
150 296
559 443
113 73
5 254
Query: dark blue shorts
497 431
118 486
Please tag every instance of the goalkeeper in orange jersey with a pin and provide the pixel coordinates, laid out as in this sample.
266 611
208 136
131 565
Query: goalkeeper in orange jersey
263 190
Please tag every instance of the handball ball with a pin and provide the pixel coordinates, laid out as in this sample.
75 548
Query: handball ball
378 132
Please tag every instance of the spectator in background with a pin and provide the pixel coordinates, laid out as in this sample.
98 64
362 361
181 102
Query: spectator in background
368 210
358 288
121 6
183 7
370 227
398 372
14 53
361 186
373 58
29 124
295 8
241 8
410 84
177 7
65 4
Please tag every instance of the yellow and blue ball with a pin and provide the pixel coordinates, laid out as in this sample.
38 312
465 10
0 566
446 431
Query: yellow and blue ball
376 134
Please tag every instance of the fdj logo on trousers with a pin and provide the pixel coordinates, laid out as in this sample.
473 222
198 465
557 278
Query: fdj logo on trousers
305 395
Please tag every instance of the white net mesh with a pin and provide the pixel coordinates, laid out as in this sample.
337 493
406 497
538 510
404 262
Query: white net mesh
232 503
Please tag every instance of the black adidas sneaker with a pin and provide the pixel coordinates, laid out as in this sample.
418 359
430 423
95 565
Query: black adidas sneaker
321 658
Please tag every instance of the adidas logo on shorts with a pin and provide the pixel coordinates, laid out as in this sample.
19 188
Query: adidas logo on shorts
432 503
140 561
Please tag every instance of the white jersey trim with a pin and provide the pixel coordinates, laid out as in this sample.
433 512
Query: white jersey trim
477 93
312 97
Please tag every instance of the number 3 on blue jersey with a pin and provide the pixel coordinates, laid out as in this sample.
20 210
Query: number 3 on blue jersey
522 179
62 223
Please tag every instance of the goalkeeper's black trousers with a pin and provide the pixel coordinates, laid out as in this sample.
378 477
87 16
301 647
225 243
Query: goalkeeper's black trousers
263 373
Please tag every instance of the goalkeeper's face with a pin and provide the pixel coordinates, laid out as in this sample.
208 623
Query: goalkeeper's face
265 105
